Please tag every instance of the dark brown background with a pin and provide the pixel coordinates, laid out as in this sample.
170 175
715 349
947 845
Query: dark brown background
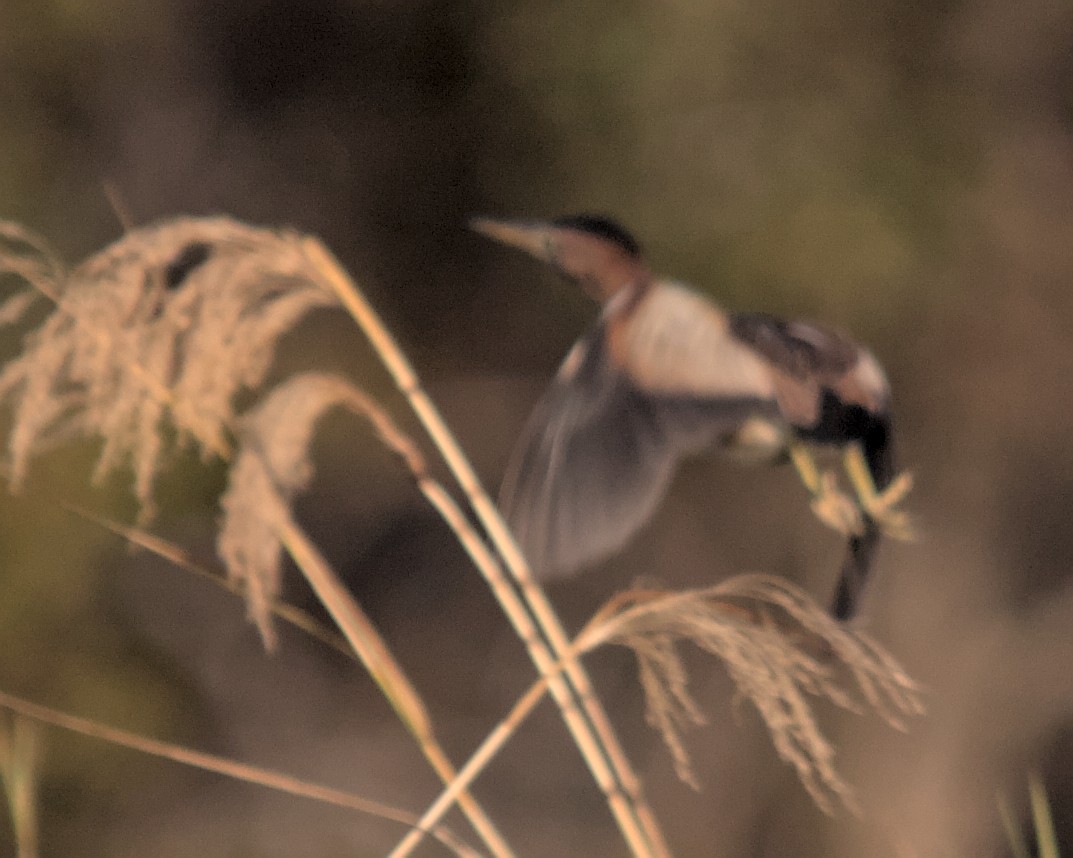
905 171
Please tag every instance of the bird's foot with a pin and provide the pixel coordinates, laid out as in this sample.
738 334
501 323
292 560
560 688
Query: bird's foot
881 506
834 507
829 503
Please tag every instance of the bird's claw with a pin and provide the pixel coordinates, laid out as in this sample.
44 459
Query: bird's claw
881 507
848 512
835 508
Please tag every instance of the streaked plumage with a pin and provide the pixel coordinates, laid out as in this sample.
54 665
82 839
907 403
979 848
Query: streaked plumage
663 374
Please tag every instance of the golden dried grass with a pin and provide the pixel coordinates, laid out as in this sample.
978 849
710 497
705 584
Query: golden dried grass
146 348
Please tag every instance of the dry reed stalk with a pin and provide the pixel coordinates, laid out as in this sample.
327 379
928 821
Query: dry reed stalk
19 744
170 322
546 641
778 646
454 790
492 744
179 557
221 765
163 327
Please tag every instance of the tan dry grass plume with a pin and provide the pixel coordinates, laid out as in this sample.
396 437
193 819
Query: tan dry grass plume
146 347
272 465
156 332
148 343
780 649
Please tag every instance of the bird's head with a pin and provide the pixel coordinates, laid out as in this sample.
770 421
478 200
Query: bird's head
590 250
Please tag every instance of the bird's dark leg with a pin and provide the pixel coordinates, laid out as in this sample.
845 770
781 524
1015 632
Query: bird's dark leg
878 516
831 505
855 568
879 505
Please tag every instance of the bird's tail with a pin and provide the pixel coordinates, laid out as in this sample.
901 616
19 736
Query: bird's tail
878 454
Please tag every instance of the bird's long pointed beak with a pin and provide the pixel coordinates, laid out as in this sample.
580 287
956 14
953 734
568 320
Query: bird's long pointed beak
531 236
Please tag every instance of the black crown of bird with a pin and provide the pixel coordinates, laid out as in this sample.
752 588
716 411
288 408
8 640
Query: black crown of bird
665 373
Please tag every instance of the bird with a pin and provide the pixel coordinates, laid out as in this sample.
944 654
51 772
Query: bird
665 373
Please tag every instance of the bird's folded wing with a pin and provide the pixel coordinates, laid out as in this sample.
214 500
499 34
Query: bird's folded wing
804 359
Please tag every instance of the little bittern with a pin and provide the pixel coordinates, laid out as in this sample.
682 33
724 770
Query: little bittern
665 373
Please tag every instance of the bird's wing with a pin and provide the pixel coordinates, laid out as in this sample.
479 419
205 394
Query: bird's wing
816 368
597 456
806 359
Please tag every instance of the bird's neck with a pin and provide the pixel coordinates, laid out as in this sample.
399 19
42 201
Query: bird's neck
622 299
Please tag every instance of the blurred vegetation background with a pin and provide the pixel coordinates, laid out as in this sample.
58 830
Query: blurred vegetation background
905 171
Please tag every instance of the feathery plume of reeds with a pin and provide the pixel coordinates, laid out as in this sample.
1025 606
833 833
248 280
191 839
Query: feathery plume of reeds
156 333
272 464
147 346
780 649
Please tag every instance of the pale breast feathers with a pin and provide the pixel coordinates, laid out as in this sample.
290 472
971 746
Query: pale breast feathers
677 343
